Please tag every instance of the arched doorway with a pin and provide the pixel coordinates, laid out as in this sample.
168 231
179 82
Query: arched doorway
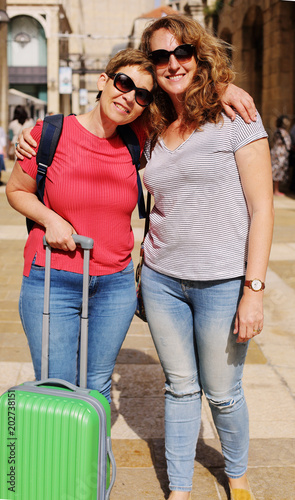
252 54
226 36
27 56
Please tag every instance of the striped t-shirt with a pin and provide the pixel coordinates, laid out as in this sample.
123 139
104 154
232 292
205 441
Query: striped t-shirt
200 222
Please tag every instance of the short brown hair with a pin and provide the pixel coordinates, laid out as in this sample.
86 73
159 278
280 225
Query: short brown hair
135 57
130 57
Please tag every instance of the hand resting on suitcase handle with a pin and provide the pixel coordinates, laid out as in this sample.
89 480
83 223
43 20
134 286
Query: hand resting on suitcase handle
84 242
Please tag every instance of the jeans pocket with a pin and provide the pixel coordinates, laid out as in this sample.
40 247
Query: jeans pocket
129 269
34 265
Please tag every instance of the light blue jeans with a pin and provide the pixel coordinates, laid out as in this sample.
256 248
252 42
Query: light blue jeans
112 303
192 323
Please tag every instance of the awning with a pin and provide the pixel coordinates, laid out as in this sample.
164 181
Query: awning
16 97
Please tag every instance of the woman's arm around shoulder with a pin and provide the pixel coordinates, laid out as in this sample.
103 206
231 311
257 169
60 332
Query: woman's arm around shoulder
234 98
26 145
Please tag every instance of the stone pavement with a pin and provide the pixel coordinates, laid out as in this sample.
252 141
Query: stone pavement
138 402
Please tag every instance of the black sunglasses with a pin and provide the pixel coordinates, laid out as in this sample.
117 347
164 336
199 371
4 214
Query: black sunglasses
125 84
183 53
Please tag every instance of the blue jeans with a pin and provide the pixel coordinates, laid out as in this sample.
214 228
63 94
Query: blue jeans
112 303
192 323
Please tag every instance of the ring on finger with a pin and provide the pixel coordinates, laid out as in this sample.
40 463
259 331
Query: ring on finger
257 331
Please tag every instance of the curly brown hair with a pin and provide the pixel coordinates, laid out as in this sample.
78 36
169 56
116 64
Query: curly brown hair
202 100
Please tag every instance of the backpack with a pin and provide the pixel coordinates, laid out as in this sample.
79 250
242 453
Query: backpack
51 131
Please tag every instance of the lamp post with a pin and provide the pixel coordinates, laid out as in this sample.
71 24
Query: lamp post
4 20
4 17
76 61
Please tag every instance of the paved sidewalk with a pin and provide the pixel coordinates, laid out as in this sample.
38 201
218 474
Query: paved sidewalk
138 402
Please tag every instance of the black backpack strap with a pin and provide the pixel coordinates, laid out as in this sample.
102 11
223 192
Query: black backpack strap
130 140
51 131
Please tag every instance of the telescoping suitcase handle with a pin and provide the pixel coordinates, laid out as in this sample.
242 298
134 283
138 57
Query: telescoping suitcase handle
86 244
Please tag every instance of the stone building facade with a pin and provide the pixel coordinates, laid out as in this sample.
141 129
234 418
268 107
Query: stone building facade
263 36
194 8
262 33
44 37
80 36
34 48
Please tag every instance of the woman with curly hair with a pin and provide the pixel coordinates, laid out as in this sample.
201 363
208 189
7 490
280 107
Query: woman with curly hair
207 249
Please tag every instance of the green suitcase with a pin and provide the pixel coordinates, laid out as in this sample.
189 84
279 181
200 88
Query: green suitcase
55 437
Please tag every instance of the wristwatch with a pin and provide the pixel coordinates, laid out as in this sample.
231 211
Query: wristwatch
256 285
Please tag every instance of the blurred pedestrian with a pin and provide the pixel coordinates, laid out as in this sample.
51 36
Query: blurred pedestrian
3 152
292 159
20 121
280 153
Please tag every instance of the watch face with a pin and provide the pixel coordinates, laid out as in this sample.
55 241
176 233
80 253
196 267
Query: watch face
256 285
